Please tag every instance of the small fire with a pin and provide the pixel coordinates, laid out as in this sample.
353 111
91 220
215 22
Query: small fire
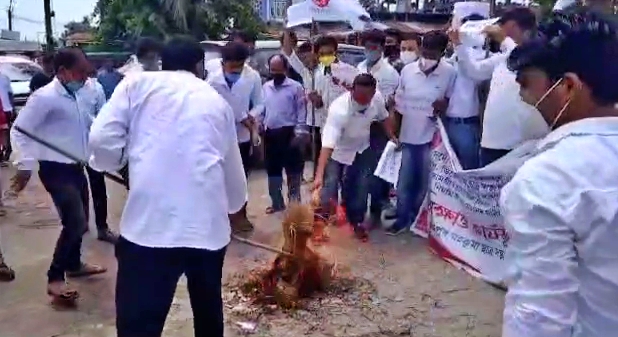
297 273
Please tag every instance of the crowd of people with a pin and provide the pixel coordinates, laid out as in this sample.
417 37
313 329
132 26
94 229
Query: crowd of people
184 136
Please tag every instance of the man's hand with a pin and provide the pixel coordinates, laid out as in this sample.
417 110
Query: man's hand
440 106
318 182
495 32
453 35
316 99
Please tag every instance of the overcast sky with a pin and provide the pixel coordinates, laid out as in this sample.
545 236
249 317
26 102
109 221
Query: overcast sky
29 15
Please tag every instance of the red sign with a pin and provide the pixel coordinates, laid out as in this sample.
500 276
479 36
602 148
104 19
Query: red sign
321 3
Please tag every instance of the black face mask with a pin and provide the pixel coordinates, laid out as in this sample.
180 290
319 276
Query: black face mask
391 51
278 78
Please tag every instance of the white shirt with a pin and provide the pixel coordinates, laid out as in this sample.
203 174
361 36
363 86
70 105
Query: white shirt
507 121
179 138
247 91
385 74
5 92
59 118
307 75
464 101
347 131
415 96
341 73
561 212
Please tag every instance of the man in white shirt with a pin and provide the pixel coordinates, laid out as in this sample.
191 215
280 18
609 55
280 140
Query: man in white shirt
6 98
388 79
462 121
345 145
186 177
61 113
424 89
561 207
507 121
241 87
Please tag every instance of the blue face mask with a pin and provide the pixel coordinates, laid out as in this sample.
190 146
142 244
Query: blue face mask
373 56
74 86
232 77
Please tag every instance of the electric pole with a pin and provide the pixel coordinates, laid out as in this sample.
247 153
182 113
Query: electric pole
9 13
49 34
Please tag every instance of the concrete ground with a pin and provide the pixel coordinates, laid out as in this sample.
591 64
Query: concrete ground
395 286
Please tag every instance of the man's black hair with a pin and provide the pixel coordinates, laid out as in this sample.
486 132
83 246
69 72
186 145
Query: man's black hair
411 36
435 40
242 36
524 17
326 40
234 52
394 33
147 45
305 47
67 58
364 80
473 17
375 36
566 44
181 53
48 58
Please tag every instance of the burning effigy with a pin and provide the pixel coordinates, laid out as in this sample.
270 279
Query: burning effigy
298 271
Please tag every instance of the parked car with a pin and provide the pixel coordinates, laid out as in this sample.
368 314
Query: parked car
264 49
19 70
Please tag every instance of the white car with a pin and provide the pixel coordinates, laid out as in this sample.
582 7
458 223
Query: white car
19 70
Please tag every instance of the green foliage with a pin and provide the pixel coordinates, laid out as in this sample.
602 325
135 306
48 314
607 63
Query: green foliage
126 20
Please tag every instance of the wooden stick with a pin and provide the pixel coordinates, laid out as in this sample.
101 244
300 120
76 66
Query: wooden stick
262 246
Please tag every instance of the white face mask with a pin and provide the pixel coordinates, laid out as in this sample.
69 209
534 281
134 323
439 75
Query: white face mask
426 64
408 57
561 112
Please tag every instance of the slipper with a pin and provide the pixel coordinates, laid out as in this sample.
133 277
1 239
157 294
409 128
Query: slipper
6 273
62 291
272 210
86 270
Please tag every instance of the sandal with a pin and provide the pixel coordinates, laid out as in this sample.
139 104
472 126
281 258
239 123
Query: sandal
6 273
62 293
85 270
361 233
272 210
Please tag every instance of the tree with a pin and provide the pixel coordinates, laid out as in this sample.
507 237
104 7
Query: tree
73 27
129 19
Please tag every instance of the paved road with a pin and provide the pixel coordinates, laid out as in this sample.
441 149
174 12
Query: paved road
415 293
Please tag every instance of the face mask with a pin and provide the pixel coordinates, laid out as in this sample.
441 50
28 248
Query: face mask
357 107
427 64
327 60
232 77
278 78
561 112
74 86
408 57
372 56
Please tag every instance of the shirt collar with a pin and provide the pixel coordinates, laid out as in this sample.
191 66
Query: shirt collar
586 126
435 72
61 89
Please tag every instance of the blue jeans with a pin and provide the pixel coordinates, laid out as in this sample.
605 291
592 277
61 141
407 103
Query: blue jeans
412 184
355 184
465 137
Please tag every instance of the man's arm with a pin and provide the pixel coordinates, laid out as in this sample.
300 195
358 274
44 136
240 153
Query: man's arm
386 119
542 293
30 117
390 83
478 70
109 132
235 179
331 132
301 111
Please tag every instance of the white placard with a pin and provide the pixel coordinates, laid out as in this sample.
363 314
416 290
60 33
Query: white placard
463 9
333 11
389 164
471 32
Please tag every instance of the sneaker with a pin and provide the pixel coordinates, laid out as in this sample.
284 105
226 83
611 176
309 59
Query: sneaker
108 236
393 231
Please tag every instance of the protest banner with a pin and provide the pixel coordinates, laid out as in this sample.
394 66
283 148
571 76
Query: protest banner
461 214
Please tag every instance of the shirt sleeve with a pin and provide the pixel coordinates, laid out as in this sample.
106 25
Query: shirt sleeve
333 128
257 96
541 300
478 70
100 97
295 63
400 94
390 83
301 110
451 84
30 117
109 132
381 106
235 179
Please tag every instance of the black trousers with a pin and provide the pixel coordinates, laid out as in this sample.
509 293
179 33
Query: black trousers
98 191
317 144
146 283
281 153
245 155
379 189
68 188
489 156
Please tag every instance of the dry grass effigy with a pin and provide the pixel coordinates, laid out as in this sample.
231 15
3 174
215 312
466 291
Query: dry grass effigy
298 272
